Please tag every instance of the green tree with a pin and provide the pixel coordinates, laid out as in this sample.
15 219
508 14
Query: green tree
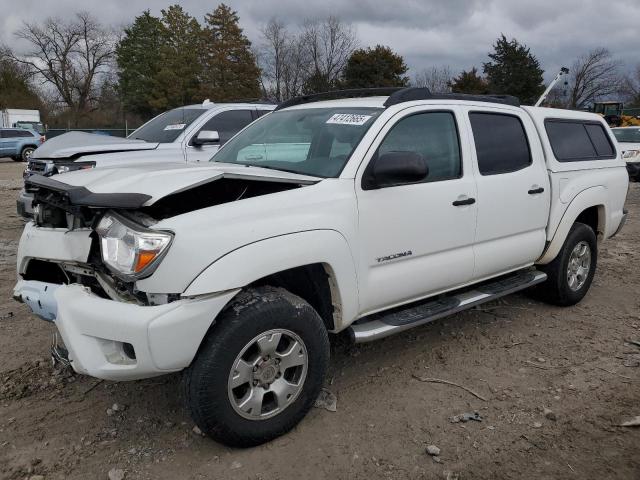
15 89
177 82
469 82
230 71
139 60
513 70
375 67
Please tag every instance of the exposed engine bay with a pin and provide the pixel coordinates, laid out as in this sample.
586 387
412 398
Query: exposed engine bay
57 205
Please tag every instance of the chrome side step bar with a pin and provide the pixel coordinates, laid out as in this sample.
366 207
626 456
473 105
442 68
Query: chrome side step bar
397 320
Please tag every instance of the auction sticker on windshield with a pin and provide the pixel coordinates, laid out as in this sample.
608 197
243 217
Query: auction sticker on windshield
175 126
348 119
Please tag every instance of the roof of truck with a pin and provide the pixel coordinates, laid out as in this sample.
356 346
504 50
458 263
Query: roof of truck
562 113
209 105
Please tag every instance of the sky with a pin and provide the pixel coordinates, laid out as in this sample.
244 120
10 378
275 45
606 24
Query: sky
457 33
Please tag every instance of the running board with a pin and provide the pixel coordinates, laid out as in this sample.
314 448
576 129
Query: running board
380 325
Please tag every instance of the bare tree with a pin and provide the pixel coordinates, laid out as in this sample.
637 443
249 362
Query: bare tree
72 57
593 76
282 60
631 87
293 71
327 45
273 55
437 79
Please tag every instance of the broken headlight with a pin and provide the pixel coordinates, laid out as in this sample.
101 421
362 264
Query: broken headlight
129 250
73 166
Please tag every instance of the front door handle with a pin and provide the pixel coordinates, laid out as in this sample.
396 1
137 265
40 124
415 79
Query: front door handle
466 201
535 191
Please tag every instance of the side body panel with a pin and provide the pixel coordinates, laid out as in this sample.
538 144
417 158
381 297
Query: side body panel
327 247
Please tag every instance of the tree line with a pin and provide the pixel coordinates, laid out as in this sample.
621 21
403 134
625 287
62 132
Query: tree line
79 71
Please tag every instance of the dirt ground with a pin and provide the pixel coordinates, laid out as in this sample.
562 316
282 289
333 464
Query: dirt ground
521 356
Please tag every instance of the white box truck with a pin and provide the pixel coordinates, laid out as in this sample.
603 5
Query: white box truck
20 118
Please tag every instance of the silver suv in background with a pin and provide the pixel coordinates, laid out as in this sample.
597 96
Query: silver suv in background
186 134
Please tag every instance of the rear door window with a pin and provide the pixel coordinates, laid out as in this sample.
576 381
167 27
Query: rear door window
501 143
16 133
575 141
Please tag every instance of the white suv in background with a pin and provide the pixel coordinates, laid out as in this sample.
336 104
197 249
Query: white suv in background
629 140
187 134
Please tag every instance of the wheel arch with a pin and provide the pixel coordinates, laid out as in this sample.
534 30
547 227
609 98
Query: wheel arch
588 207
316 265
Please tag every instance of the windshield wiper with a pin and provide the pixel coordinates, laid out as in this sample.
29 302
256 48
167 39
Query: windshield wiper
278 169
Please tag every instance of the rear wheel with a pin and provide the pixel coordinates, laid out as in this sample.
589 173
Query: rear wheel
26 154
260 368
570 274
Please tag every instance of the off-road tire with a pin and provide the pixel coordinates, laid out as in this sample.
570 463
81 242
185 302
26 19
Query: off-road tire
251 313
555 289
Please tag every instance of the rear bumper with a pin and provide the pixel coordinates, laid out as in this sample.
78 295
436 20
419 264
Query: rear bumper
101 334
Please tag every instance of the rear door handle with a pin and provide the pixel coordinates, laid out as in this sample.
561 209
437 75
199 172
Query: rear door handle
466 201
535 191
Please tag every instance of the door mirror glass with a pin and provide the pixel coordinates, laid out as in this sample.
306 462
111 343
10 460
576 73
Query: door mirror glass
206 137
397 168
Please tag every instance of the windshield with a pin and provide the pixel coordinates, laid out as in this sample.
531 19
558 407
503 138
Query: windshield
627 135
312 141
167 126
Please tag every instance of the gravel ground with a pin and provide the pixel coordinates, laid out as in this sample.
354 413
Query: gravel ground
556 384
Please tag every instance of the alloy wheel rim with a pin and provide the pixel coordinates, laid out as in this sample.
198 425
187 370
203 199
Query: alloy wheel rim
268 374
579 266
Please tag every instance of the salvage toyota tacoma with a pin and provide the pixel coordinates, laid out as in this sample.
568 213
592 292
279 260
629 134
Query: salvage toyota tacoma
369 212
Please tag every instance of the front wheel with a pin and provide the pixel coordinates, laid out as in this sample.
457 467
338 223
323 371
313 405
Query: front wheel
259 369
26 153
570 274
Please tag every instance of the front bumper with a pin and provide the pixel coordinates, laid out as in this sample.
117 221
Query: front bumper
24 204
634 170
101 334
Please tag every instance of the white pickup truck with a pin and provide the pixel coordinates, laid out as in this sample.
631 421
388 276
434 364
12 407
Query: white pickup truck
370 215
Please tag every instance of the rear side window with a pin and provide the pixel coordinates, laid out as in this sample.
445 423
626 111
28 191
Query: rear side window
575 141
16 133
501 143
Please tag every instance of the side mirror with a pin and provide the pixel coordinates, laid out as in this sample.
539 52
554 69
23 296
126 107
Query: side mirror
396 168
206 137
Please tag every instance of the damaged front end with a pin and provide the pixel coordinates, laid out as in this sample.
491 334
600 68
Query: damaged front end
80 261
106 242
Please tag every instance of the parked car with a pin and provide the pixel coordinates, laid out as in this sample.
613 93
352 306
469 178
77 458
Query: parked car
629 140
190 134
367 215
19 143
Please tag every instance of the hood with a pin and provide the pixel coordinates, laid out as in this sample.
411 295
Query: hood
149 183
73 144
